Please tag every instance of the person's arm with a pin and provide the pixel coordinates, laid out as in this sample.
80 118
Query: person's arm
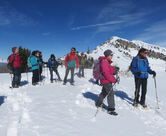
134 66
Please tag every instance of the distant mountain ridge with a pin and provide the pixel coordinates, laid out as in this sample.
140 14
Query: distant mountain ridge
124 50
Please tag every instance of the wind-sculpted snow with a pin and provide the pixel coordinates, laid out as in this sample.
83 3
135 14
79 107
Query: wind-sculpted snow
53 109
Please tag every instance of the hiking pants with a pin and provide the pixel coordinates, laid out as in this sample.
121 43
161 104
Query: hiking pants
81 71
140 82
16 76
51 73
72 74
35 77
107 90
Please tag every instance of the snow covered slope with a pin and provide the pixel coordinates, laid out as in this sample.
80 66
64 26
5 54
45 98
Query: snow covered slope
125 50
58 110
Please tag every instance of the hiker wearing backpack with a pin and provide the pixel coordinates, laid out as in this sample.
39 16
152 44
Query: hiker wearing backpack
16 65
33 63
107 79
53 66
81 65
71 61
140 68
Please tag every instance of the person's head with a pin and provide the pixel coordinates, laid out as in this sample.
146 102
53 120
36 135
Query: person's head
73 50
143 52
108 54
37 53
82 54
52 56
14 50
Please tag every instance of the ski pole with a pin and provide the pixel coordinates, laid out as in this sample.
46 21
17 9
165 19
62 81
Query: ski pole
156 93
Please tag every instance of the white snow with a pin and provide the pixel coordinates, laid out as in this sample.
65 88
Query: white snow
58 110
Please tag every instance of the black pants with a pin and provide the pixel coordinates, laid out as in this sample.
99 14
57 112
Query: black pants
40 73
107 90
72 74
16 77
140 82
56 71
35 77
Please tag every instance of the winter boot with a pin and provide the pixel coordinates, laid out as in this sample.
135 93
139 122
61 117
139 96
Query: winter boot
112 112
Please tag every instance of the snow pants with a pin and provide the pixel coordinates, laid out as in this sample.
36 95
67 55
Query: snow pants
107 90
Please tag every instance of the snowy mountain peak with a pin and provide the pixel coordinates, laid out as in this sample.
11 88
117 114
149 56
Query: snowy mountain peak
125 50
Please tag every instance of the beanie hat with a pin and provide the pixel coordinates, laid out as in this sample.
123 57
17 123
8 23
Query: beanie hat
14 49
108 53
142 50
82 53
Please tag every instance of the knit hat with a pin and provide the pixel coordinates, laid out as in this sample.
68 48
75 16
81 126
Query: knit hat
108 53
82 53
14 49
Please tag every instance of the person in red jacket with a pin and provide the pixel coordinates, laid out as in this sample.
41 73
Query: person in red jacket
16 64
71 61
108 72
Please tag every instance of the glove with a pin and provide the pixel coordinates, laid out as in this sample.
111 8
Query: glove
116 70
138 74
154 73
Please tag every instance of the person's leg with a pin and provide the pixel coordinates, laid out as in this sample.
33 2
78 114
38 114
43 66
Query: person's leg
82 71
72 75
137 90
57 73
101 97
79 73
33 77
51 75
144 90
110 97
66 75
14 77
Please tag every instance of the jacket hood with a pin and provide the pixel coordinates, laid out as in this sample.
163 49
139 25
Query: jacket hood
102 57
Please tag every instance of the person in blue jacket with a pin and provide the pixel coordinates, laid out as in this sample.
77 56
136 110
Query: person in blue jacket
34 60
140 68
53 65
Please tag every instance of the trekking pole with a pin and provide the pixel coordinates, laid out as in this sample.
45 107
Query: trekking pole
11 77
157 101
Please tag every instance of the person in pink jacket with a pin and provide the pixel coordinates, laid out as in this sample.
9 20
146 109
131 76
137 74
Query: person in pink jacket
108 72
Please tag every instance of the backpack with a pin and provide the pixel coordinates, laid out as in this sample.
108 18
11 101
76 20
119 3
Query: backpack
10 65
97 74
29 62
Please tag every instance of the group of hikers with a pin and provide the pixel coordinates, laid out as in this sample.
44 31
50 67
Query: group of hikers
106 73
35 63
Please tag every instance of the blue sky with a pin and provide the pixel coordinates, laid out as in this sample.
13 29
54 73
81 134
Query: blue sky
54 26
